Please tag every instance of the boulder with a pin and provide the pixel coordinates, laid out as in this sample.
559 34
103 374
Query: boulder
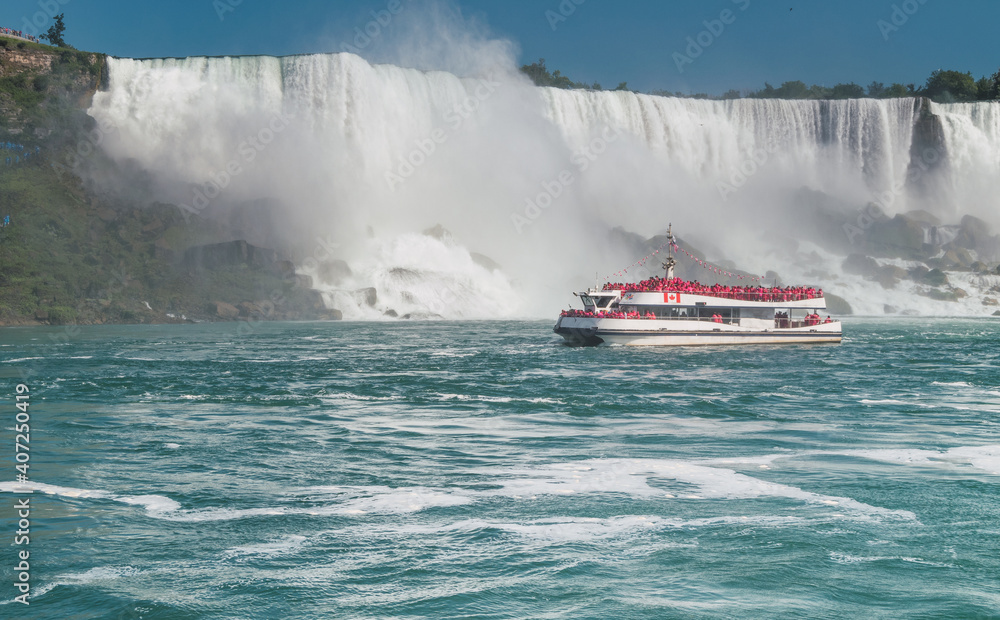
923 217
935 277
837 305
366 296
940 295
990 301
248 309
484 261
303 281
860 264
896 237
284 269
333 272
440 233
890 275
224 310
974 233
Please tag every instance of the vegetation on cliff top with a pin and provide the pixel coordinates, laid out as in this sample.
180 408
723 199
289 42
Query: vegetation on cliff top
942 86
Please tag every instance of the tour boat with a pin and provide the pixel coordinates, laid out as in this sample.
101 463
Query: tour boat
670 311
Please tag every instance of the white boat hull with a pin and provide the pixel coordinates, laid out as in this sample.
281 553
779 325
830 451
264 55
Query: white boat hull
653 332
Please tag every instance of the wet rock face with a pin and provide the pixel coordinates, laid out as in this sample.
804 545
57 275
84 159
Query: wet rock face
928 152
229 253
837 305
899 237
224 311
861 265
333 272
367 296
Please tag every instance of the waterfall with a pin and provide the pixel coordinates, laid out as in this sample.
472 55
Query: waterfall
365 156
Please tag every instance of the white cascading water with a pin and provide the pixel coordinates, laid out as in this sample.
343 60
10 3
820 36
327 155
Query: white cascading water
363 157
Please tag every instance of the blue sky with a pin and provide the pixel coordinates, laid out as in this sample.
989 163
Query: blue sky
641 42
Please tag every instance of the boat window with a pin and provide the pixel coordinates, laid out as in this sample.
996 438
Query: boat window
757 313
587 300
604 302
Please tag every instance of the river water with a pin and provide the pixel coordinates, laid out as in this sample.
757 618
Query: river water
484 470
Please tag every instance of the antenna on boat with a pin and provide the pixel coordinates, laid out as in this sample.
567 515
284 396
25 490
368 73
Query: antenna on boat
670 262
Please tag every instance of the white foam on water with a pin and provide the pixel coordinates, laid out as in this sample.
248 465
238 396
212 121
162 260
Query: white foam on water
362 500
630 476
410 499
279 546
172 446
986 458
580 529
847 558
94 575
218 514
500 399
152 503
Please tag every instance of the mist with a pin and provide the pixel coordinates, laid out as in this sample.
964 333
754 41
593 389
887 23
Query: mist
332 157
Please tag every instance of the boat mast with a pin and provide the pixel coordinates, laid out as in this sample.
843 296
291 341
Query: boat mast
670 262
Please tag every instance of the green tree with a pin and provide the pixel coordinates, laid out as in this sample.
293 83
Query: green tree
896 91
876 90
984 89
792 90
540 75
54 35
847 91
988 88
947 86
622 86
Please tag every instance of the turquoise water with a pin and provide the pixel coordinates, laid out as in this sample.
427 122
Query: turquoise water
483 470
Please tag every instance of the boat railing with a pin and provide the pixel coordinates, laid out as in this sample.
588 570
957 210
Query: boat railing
767 296
779 323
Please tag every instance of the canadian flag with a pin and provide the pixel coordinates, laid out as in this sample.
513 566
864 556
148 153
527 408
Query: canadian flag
672 298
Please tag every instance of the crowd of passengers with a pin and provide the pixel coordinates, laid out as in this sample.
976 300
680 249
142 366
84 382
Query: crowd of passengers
19 34
781 318
746 293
